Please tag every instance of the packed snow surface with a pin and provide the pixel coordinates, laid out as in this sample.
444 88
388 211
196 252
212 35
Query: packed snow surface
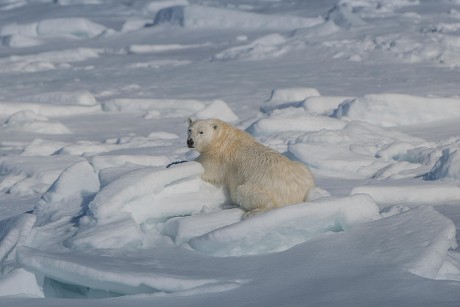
102 203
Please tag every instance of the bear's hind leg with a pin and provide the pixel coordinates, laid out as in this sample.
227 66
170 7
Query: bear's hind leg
253 200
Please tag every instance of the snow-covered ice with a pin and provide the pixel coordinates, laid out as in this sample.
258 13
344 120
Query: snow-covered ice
102 204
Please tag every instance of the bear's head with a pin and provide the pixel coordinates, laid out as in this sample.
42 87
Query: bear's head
201 133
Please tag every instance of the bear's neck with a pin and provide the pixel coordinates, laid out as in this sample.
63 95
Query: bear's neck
230 142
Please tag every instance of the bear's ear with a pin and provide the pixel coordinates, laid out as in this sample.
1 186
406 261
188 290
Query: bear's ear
189 121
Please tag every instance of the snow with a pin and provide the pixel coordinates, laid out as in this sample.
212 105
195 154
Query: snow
94 104
48 110
48 60
284 228
195 16
448 165
388 110
83 98
405 194
51 28
289 97
34 123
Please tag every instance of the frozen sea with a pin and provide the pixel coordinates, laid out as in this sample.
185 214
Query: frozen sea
94 100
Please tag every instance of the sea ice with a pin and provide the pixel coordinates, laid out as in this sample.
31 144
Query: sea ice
195 16
388 110
283 228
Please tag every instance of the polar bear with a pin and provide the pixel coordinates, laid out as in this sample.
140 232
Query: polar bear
258 178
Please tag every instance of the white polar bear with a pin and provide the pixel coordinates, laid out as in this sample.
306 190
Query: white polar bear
258 178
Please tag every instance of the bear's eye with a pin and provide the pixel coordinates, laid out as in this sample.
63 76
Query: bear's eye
189 130
201 132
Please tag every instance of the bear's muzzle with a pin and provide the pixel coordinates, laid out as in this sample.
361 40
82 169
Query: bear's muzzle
190 143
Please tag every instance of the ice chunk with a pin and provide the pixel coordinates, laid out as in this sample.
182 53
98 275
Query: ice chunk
79 2
184 228
120 232
166 107
342 15
84 98
281 229
195 16
143 48
297 121
217 109
20 282
49 110
33 174
148 196
388 110
336 160
14 232
49 28
448 165
134 24
47 60
109 272
288 97
102 162
425 232
358 150
323 105
69 194
20 41
411 194
155 6
34 123
266 47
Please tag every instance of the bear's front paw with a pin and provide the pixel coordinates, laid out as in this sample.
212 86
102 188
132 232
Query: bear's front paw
254 212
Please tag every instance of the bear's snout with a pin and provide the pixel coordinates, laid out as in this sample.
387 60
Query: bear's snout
190 143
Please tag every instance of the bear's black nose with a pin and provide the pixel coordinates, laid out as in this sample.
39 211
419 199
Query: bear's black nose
190 143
